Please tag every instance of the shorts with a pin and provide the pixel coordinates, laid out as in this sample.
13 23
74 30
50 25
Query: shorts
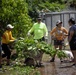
58 42
72 45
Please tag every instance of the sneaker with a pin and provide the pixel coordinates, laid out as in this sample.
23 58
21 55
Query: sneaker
0 66
74 65
8 64
61 60
39 65
52 60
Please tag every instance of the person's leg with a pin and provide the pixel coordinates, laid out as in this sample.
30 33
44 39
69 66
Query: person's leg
56 43
40 58
0 59
60 44
74 54
0 55
8 56
73 49
60 47
4 47
53 58
7 52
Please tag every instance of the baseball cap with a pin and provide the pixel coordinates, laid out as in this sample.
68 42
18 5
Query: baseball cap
10 26
39 18
72 20
58 22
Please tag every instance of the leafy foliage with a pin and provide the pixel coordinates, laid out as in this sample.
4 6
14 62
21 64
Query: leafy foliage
52 7
30 48
61 54
26 70
15 12
19 70
36 6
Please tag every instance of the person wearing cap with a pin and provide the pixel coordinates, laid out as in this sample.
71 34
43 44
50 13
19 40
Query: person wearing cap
1 29
0 54
40 31
58 35
7 38
72 38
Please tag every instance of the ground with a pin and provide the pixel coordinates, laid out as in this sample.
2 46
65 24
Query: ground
52 68
56 68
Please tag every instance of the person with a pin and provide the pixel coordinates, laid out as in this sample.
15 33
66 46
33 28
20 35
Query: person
40 31
7 38
0 53
72 38
58 35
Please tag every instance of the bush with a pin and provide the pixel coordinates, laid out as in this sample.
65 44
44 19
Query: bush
15 12
30 48
51 6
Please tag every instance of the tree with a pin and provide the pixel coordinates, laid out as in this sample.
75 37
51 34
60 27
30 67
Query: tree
15 12
36 6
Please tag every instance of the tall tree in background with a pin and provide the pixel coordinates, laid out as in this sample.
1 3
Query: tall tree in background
35 5
15 12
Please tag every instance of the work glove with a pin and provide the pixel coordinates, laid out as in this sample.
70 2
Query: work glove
15 40
46 37
28 33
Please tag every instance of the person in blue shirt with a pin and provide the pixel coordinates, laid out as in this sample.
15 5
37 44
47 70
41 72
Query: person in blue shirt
72 38
0 54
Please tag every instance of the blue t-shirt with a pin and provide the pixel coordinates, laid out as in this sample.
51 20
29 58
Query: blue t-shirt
73 28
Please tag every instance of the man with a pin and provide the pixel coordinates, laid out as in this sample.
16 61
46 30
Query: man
40 31
72 38
7 39
58 33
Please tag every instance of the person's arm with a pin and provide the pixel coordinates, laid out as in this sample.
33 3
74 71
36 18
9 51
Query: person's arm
31 30
65 33
7 38
53 30
12 38
46 31
71 35
52 33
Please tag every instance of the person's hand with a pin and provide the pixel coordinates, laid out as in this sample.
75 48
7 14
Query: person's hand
46 38
28 33
53 37
15 40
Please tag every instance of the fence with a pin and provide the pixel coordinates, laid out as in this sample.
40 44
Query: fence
51 18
